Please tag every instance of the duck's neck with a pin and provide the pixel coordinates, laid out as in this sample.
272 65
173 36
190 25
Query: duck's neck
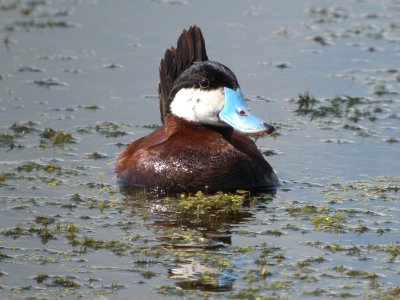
173 124
225 131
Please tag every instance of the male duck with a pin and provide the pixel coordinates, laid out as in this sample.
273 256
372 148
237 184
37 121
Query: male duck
202 143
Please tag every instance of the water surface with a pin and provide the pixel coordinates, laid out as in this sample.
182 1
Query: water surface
78 82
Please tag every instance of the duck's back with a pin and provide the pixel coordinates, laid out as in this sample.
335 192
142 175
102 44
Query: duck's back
185 157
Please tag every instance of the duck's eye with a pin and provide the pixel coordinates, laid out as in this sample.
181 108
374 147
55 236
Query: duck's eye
204 83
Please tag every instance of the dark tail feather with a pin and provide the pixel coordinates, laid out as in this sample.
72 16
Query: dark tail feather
190 48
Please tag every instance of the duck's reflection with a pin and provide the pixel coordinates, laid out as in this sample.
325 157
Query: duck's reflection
196 276
197 226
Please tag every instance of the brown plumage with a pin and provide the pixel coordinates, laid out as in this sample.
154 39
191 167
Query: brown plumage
184 156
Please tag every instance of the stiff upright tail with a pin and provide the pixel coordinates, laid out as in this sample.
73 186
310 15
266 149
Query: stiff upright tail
190 48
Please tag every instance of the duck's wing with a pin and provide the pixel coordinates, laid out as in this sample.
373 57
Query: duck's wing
190 48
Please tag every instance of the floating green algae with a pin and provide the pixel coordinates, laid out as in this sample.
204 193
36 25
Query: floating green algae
44 220
9 140
109 129
57 137
201 203
97 155
65 282
348 107
40 278
213 211
36 166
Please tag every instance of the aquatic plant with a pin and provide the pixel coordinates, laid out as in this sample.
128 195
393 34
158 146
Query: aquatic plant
327 13
97 155
57 137
201 204
109 129
40 278
339 106
50 82
9 140
44 220
65 282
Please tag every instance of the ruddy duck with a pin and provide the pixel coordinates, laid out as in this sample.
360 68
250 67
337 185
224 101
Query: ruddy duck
202 143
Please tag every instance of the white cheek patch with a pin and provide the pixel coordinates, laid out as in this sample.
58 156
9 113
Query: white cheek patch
196 105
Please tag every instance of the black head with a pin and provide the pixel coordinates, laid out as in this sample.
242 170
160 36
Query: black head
206 75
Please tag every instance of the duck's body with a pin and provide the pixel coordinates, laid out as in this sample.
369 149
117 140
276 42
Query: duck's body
185 156
197 147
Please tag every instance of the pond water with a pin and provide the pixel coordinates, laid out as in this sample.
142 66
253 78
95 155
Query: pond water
78 82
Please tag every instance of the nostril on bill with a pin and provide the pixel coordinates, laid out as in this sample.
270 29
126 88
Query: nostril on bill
243 112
